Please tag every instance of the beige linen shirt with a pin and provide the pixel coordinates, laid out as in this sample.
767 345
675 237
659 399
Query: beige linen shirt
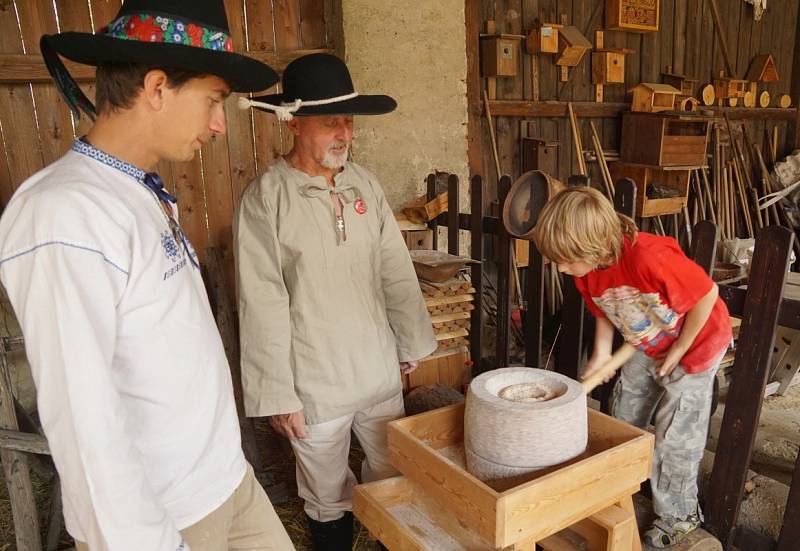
323 322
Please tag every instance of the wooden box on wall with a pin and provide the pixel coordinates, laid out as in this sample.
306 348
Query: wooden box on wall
542 39
643 175
608 65
538 154
662 139
499 55
632 15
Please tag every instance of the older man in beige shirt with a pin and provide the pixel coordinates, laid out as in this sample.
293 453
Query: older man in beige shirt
329 306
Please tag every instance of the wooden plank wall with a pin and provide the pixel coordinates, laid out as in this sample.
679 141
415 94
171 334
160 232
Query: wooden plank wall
37 127
686 40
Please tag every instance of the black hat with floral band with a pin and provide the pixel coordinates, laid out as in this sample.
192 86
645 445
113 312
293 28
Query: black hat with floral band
192 35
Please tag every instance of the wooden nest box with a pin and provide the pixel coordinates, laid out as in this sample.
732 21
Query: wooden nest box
650 97
499 55
681 82
542 39
608 65
571 45
632 15
762 69
732 89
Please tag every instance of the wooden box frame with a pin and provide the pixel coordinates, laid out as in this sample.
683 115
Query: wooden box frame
661 139
617 460
617 21
674 177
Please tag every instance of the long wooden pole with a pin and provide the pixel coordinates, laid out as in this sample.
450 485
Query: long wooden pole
576 139
601 162
721 35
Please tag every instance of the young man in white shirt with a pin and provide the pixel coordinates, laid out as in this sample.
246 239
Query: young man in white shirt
134 390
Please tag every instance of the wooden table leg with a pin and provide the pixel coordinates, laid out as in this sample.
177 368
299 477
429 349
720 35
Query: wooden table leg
627 504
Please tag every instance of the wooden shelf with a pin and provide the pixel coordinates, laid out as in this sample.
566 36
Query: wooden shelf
592 109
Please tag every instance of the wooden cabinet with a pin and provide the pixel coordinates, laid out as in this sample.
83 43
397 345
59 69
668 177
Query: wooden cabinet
662 139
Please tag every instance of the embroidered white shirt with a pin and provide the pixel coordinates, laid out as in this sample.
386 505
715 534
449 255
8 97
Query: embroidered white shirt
134 390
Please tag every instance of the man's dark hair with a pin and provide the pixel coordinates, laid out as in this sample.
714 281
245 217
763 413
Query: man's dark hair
118 84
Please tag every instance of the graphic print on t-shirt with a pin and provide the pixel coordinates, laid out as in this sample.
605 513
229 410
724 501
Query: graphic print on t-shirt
642 318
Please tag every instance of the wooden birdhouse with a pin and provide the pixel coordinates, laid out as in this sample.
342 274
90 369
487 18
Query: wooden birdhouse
632 15
542 39
762 69
608 65
500 55
650 97
730 89
571 46
681 82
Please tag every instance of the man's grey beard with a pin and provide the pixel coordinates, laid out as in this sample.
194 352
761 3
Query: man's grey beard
333 160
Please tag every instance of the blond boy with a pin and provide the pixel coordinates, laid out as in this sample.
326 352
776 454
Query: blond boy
669 309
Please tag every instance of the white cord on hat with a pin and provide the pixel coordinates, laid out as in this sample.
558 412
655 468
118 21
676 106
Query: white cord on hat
285 111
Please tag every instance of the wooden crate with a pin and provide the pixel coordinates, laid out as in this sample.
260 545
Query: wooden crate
533 507
674 177
664 139
632 15
448 367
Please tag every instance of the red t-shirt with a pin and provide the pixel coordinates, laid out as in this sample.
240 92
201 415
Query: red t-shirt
646 294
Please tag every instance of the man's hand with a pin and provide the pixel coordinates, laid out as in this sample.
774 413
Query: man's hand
290 425
596 362
408 367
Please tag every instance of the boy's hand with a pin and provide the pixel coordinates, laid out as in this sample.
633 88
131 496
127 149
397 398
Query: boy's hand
594 364
672 359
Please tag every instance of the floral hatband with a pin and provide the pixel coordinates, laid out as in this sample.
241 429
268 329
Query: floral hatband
160 28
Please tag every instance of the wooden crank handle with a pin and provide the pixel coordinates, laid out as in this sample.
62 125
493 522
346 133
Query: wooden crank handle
617 360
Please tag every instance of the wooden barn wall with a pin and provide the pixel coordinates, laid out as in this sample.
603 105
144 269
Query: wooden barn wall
686 40
37 127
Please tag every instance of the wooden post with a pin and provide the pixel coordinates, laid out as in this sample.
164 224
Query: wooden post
503 253
790 531
15 468
752 367
433 224
721 36
452 214
476 222
226 324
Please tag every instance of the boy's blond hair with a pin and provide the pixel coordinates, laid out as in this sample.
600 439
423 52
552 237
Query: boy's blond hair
579 224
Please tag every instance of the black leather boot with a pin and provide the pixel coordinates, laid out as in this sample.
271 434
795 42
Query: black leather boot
334 535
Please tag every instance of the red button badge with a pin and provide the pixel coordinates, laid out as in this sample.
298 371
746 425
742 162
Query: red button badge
360 206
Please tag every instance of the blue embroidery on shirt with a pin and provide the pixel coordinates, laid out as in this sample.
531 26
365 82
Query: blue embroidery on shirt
109 160
64 243
171 248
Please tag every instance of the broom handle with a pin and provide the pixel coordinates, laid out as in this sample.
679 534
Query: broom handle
617 360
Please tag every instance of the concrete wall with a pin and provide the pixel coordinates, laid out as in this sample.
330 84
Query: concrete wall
416 53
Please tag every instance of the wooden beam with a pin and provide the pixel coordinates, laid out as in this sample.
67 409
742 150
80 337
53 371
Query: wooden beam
24 68
721 37
790 531
452 214
752 367
504 268
476 235
23 442
472 15
704 245
16 471
594 110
